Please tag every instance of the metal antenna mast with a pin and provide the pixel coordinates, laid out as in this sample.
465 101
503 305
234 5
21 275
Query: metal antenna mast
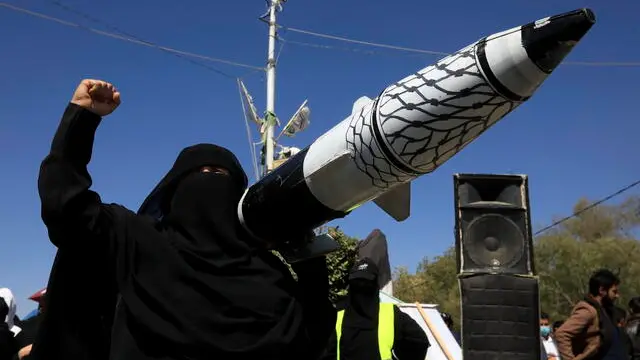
270 116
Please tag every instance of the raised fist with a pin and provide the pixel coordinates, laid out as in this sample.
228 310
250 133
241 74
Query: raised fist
99 97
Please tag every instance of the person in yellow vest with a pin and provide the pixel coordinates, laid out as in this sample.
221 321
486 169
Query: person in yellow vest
367 329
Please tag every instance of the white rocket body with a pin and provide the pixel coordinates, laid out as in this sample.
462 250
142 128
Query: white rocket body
425 119
412 127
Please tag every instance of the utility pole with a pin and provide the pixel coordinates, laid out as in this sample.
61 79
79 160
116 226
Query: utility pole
270 116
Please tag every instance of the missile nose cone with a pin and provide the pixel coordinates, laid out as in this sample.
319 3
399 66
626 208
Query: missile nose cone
548 41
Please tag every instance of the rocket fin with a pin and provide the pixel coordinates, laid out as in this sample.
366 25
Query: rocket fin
396 202
360 103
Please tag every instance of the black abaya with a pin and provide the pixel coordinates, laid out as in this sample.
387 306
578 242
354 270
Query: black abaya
192 285
359 338
8 345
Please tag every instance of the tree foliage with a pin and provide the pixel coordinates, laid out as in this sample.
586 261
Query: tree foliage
340 262
565 256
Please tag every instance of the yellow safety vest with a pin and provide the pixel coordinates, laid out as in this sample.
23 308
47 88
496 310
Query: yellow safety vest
385 330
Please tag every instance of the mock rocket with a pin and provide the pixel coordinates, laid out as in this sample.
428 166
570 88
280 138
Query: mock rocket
410 129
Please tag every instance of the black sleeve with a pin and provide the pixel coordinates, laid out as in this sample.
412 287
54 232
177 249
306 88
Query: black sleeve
70 210
331 351
29 331
8 345
411 342
24 339
320 316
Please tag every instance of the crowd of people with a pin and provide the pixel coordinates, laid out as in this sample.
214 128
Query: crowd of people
596 329
181 279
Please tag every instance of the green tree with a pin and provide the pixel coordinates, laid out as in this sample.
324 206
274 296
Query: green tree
434 282
340 262
598 237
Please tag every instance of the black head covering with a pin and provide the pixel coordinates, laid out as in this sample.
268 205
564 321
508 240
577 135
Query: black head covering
191 159
191 284
364 297
202 206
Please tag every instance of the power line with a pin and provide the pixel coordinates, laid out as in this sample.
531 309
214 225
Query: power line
117 30
591 206
133 40
433 52
331 47
386 46
281 47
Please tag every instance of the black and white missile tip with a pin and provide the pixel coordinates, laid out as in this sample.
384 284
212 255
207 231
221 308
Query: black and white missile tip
548 41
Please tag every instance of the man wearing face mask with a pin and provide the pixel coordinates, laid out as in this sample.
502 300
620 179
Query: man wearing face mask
548 343
588 334
185 280
370 330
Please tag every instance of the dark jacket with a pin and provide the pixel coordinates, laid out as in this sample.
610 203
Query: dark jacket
29 332
8 346
633 335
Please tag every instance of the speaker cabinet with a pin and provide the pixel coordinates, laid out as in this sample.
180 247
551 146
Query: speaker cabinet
500 317
493 224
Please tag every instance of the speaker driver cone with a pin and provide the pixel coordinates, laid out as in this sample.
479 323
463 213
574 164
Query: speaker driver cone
494 240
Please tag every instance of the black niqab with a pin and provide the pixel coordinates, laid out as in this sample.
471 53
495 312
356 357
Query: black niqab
203 211
202 206
360 323
204 270
363 302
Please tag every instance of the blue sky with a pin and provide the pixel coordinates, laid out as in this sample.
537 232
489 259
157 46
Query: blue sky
576 137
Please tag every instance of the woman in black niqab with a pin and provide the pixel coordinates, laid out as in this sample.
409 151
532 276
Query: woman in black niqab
363 299
191 283
359 331
213 287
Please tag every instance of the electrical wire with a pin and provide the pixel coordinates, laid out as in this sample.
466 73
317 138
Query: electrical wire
136 40
281 47
117 30
368 43
591 206
363 51
174 51
431 52
130 39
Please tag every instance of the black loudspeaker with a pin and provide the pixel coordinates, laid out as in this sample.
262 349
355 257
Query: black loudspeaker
494 249
500 317
493 224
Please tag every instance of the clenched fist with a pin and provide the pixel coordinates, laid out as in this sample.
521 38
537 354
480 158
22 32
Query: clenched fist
99 97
